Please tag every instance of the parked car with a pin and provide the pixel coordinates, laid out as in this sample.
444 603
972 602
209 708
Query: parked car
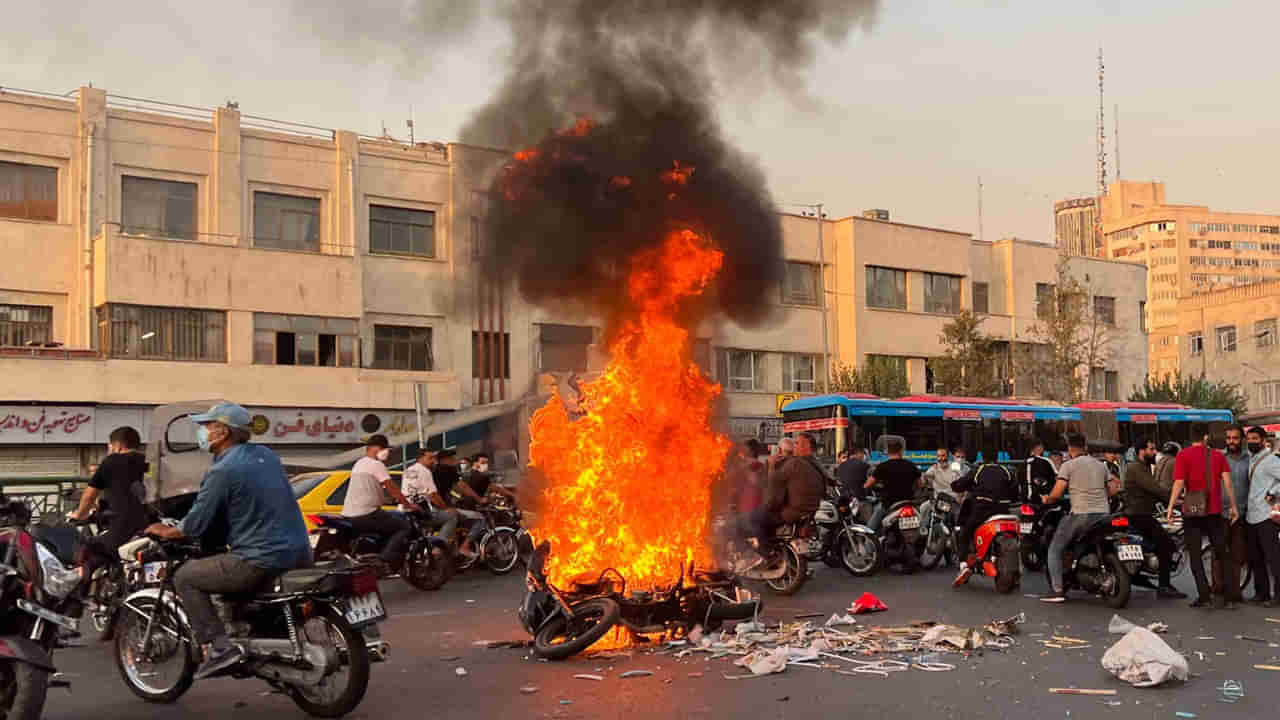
324 492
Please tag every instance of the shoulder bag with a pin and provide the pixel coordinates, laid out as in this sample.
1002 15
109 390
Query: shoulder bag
1196 503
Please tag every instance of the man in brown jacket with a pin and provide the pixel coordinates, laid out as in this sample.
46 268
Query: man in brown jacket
795 487
1142 490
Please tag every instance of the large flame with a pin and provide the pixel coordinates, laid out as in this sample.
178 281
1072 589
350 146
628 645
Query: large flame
628 483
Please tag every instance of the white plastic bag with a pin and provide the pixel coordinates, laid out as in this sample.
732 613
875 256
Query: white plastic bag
1142 659
1120 626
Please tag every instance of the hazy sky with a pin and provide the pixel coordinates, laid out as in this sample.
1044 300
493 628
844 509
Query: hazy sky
908 114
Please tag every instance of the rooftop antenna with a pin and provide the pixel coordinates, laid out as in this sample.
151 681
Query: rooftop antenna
1115 135
409 122
1102 159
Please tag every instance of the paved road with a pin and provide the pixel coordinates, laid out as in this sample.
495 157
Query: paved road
425 628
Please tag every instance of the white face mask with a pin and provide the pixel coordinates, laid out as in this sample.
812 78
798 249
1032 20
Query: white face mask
383 454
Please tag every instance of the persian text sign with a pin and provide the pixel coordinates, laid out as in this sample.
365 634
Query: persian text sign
22 424
818 424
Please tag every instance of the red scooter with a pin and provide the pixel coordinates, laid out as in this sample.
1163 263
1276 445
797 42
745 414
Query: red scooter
995 552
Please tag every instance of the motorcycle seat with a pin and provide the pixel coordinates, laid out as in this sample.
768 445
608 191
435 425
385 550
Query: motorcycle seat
303 578
1015 518
340 522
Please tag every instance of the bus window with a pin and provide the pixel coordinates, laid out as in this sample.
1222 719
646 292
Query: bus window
1139 432
964 434
1017 438
1179 432
1053 433
923 434
1124 433
1218 433
990 439
864 429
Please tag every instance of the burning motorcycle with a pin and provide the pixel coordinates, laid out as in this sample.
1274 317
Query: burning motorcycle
566 622
428 562
303 635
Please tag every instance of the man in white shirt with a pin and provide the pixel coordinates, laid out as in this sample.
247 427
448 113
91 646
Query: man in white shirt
363 506
420 486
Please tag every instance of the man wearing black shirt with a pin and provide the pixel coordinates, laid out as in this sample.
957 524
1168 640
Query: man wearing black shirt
852 474
1041 474
898 478
116 480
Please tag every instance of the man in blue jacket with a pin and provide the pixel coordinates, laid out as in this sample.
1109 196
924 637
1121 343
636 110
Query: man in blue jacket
244 497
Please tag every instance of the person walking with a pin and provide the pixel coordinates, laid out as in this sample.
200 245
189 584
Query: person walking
1141 493
1262 533
1205 475
1239 459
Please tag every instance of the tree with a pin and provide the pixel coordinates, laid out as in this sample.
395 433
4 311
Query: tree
1068 340
880 376
1197 392
969 361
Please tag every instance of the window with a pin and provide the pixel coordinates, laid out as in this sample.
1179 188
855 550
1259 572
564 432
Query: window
304 340
886 288
1142 315
1196 341
1112 380
799 373
158 207
1105 309
28 192
1044 300
800 284
981 303
1268 394
564 348
742 370
487 344
402 231
402 347
1264 331
140 332
702 355
941 293
1227 338
25 325
286 222
475 238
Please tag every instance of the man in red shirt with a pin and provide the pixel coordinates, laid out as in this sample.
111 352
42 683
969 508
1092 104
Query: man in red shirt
1202 469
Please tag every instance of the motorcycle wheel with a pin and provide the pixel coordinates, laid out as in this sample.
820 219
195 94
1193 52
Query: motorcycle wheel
1032 558
339 692
933 547
1245 573
592 620
910 563
1120 589
500 551
159 682
797 572
860 554
427 566
1008 574
22 690
107 595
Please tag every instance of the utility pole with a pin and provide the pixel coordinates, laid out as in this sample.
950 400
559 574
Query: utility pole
979 207
822 288
1115 123
1102 159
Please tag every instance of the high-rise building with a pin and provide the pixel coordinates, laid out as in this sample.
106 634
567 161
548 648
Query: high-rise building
1075 224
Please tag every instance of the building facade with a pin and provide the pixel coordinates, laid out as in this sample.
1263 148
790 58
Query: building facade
1076 227
1231 335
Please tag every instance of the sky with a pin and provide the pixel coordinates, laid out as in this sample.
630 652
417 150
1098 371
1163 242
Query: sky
904 115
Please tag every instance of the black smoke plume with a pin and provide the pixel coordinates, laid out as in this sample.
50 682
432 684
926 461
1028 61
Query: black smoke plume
565 220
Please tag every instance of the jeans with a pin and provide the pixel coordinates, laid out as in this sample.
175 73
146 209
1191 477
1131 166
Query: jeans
198 579
877 517
477 527
1148 527
1264 557
444 522
1070 527
981 511
392 527
1195 528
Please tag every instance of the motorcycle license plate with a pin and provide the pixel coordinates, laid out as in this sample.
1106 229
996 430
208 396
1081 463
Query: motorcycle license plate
1025 528
153 572
364 609
1130 552
910 522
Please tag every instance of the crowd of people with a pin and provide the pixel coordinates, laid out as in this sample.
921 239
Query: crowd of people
1231 499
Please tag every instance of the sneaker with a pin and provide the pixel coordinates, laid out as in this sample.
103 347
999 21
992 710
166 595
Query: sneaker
1054 597
1168 592
1202 604
962 577
1271 604
219 660
468 554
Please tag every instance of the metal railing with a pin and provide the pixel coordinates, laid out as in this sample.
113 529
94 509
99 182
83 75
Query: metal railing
48 497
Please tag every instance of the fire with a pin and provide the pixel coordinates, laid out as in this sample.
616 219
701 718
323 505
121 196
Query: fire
628 483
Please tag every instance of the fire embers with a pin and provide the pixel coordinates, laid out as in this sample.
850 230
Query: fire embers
628 484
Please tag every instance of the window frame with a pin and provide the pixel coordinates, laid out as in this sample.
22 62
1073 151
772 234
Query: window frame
409 343
788 291
10 328
1107 315
128 324
266 340
429 254
758 382
985 308
790 380
1045 305
1223 331
588 331
256 193
873 297
953 293
160 232
1195 343
1265 328
28 215
480 356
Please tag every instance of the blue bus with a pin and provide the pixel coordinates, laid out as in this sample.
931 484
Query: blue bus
928 422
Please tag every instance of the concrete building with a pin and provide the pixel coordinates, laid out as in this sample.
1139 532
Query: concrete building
1076 228
1189 250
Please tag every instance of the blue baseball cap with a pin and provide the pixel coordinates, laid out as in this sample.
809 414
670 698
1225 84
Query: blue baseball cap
229 414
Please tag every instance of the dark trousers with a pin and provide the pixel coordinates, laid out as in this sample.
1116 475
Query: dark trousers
1238 549
1150 528
1264 557
1195 529
197 580
761 523
392 527
977 514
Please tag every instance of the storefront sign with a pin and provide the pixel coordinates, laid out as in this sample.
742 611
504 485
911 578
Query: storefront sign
766 430
784 398
22 424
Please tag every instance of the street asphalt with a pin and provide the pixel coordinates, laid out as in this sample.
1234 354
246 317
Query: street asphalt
434 634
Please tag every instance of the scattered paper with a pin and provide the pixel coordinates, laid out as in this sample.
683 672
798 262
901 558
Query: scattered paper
1142 659
529 689
584 676
837 619
460 672
635 674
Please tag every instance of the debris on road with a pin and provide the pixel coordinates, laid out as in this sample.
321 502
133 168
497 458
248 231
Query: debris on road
1267 667
460 672
450 658
807 616
1232 691
837 620
1142 659
529 689
584 676
1251 639
1182 714
635 674
868 603
1080 691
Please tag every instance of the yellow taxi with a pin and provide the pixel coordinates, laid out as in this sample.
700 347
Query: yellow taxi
324 492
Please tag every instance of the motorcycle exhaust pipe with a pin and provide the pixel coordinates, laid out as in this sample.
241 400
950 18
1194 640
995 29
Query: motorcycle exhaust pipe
379 650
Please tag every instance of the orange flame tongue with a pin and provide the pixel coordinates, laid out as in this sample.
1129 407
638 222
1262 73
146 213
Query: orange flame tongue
629 483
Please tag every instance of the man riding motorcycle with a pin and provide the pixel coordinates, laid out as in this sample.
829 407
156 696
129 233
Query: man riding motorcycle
1142 490
363 504
795 488
419 486
471 492
991 487
246 499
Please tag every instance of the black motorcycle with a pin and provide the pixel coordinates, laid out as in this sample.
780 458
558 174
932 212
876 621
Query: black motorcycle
937 539
900 533
428 563
302 634
1037 523
566 622
1102 560
841 541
